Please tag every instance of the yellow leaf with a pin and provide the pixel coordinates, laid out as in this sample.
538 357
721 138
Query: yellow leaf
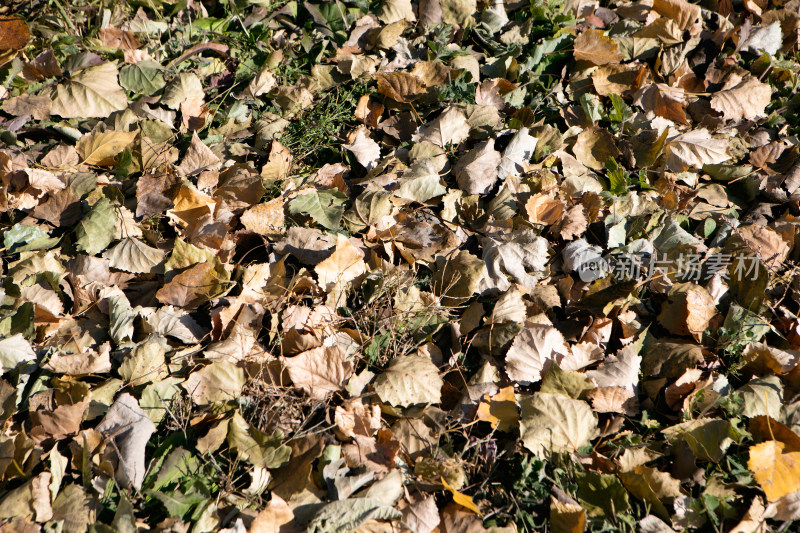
96 147
499 410
461 499
567 517
778 473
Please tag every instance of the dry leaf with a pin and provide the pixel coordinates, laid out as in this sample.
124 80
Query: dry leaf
400 86
745 101
345 264
409 380
319 371
532 351
127 425
595 47
695 149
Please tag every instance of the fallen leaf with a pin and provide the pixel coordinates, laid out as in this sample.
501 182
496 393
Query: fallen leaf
461 499
593 46
319 371
532 351
745 101
776 471
553 423
217 382
477 171
401 87
344 265
127 425
499 410
695 149
409 380
91 92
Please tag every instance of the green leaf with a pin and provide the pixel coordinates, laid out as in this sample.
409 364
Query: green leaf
603 495
96 231
592 107
707 438
144 77
27 238
723 172
180 463
256 447
618 182
620 112
177 503
421 182
325 207
13 351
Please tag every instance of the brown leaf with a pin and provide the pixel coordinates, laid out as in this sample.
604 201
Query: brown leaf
544 209
744 101
400 86
345 264
37 106
319 371
594 146
266 218
686 15
45 65
192 288
433 73
689 310
574 223
766 243
60 209
617 79
664 101
354 418
476 172
279 163
198 157
154 193
14 33
368 111
595 47
276 517
119 39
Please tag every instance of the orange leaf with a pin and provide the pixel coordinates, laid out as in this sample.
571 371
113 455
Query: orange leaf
14 33
499 410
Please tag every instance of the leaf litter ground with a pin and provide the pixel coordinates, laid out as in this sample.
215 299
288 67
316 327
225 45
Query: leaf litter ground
385 266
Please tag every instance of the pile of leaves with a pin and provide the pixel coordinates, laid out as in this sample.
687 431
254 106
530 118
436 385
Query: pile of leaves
357 265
